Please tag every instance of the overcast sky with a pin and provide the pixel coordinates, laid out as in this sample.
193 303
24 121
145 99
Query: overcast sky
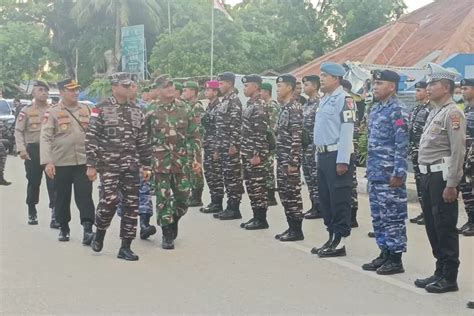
411 4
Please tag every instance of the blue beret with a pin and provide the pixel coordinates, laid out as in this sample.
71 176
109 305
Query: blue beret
312 78
226 76
287 78
333 69
421 85
467 82
386 75
252 78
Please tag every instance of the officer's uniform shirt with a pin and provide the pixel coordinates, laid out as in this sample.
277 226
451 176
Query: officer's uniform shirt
334 123
289 134
117 137
28 126
63 135
444 135
254 129
388 141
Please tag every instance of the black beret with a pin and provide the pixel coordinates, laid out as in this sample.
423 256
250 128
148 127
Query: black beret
39 83
312 78
346 84
68 84
287 78
421 85
386 75
252 78
226 76
469 82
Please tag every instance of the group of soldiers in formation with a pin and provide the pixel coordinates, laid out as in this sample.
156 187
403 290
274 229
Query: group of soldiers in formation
154 146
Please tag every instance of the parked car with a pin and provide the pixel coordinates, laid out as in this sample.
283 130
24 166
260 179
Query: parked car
7 116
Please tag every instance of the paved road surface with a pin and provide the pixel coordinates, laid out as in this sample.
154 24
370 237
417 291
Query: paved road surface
217 268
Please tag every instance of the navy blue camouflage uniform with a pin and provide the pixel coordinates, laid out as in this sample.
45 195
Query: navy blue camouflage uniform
387 157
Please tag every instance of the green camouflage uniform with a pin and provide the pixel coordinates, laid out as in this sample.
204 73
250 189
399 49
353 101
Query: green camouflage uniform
273 109
197 180
174 136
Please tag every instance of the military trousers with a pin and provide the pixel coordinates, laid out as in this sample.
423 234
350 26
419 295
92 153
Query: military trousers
34 175
388 207
440 224
270 171
67 177
196 180
3 157
354 195
213 173
417 174
468 198
145 203
335 194
114 182
289 190
172 194
310 172
232 175
255 177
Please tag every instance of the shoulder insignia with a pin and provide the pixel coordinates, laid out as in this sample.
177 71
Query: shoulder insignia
455 120
21 116
350 102
95 112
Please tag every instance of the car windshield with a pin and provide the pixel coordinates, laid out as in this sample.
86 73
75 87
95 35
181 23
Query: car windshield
4 108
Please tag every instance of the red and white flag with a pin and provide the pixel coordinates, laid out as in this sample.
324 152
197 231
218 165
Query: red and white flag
219 5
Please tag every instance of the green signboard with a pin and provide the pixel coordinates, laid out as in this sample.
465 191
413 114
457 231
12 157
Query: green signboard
133 50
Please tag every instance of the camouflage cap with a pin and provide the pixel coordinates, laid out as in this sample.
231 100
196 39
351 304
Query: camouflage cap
39 83
191 85
120 78
178 86
162 81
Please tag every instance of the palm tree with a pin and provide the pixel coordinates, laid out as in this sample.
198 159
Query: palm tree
85 11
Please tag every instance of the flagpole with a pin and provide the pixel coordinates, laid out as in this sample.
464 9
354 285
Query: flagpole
212 40
169 18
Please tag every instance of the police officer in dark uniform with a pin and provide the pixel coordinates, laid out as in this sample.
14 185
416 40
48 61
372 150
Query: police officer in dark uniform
333 134
417 122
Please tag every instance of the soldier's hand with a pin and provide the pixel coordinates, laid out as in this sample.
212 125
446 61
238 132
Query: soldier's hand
232 150
341 168
255 161
450 194
146 175
292 169
215 156
50 170
197 168
396 182
24 155
91 173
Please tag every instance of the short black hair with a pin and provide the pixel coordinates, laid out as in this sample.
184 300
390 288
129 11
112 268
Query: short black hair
451 84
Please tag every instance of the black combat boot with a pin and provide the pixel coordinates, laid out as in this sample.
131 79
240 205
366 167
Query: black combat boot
371 234
469 230
214 207
196 198
125 252
337 248
415 219
167 239
259 222
146 230
392 265
421 221
64 233
314 212
315 250
422 283
242 225
443 285
2 180
54 224
32 219
295 232
88 234
354 223
470 304
175 226
98 240
271 198
232 211
377 262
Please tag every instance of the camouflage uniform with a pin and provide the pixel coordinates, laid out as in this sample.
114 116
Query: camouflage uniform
116 145
387 153
3 152
466 183
176 146
417 122
310 169
354 195
228 128
254 143
289 152
272 109
27 137
197 180
212 168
